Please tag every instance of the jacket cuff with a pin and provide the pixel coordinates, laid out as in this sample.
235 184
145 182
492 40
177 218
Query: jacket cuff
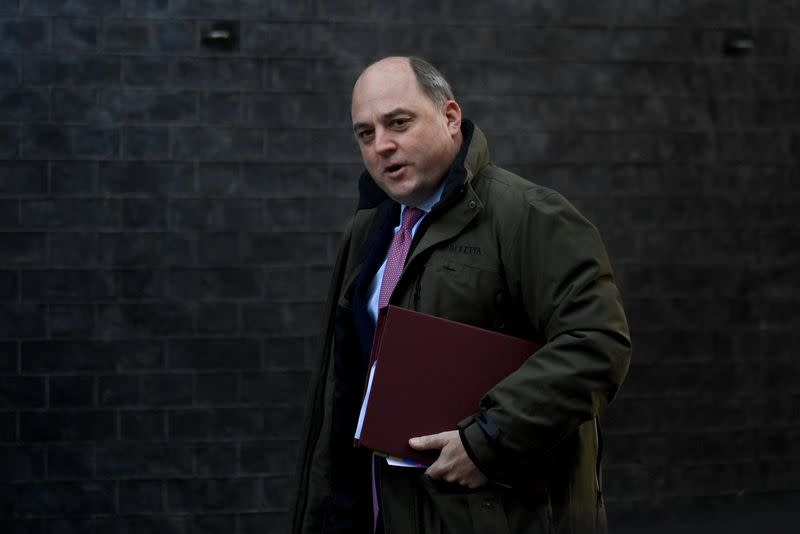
484 451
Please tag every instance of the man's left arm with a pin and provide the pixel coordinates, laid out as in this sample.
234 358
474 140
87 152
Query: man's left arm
561 272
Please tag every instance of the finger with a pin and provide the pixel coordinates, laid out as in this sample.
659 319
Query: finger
423 443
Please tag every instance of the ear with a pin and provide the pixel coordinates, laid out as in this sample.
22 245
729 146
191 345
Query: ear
452 112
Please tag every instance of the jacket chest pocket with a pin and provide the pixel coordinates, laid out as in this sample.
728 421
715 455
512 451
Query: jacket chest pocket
462 292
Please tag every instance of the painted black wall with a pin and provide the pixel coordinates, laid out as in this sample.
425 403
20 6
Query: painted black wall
169 215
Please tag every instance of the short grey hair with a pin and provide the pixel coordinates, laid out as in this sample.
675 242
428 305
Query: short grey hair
431 81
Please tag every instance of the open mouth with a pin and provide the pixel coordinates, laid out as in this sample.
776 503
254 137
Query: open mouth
393 168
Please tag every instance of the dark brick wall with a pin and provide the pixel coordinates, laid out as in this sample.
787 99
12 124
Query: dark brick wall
169 215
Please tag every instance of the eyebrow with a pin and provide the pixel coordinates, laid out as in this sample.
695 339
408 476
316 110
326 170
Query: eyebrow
386 117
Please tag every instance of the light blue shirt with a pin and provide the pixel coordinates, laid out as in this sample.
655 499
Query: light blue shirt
375 286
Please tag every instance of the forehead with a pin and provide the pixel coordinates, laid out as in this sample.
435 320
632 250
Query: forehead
380 90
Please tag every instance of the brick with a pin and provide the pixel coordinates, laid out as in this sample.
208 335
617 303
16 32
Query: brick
343 181
71 70
81 355
285 353
290 214
23 106
142 284
298 318
214 494
145 7
21 463
264 179
286 249
284 284
9 286
144 213
221 108
216 389
218 248
144 320
268 457
73 177
9 356
218 143
283 422
140 496
55 285
209 524
132 106
22 392
73 249
196 8
215 423
70 213
78 35
131 249
146 142
71 8
218 73
86 425
393 12
203 284
209 354
217 318
166 390
28 34
9 71
71 391
8 7
65 498
219 214
146 71
216 459
276 493
143 425
273 387
9 141
136 524
143 459
74 105
118 391
8 427
287 74
69 141
22 320
330 213
289 145
24 248
70 461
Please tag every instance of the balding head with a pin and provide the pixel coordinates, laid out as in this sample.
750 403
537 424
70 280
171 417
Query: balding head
408 140
431 82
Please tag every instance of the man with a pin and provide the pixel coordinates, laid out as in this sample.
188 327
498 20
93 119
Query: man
490 249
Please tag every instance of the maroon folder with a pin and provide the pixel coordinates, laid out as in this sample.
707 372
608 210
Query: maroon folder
431 373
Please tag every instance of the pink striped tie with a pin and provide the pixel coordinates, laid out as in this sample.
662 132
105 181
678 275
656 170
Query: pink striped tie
396 259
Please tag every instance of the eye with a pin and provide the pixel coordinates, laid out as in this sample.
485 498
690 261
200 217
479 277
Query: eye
399 122
364 135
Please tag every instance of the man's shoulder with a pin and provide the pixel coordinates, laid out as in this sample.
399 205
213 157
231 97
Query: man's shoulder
514 190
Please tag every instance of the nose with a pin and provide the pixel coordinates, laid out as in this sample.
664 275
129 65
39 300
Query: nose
384 142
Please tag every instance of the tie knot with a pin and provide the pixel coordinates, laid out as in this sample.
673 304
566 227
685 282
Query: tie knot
410 218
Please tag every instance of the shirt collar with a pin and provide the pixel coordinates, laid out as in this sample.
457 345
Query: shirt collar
427 204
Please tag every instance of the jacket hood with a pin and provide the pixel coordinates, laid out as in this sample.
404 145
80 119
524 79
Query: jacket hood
472 156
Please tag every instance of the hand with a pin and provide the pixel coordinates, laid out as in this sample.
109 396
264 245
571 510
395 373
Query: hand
453 464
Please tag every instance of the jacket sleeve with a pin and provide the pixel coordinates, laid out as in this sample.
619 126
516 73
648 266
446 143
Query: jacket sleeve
558 269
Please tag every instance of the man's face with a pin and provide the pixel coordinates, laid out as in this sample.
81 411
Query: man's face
406 142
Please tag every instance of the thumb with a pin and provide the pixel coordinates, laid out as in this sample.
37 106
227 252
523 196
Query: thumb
423 443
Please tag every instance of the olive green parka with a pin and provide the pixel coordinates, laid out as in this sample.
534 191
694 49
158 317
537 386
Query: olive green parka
515 257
